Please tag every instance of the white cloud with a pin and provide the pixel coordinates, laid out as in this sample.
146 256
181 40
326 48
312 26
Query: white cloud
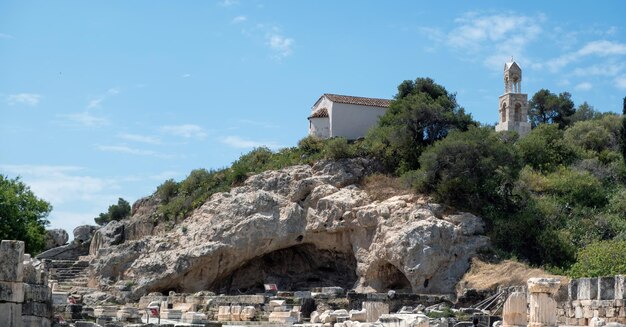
186 131
239 19
139 138
601 48
85 118
133 151
604 69
97 101
59 184
490 38
281 45
584 86
228 3
620 82
29 99
238 142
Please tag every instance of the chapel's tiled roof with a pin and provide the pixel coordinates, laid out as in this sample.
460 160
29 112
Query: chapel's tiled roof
373 102
320 113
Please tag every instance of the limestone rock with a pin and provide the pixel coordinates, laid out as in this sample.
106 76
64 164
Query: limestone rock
55 237
109 235
315 222
84 233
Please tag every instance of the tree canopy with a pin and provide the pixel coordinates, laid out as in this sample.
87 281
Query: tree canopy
22 214
422 113
549 108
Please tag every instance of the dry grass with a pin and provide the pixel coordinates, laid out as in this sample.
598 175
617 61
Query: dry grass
381 187
488 276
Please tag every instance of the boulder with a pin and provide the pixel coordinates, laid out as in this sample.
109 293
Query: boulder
84 233
55 237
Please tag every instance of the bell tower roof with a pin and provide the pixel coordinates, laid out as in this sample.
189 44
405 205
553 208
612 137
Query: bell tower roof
512 65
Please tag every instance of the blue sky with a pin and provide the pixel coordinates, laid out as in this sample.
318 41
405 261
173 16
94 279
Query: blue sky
100 100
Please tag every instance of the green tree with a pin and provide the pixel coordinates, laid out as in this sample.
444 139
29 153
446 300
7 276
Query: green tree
585 112
604 258
117 211
22 215
472 170
422 113
549 108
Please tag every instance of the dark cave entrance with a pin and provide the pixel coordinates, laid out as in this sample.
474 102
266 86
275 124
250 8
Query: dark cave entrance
299 267
391 278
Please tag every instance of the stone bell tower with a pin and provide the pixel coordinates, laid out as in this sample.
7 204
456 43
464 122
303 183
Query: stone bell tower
513 104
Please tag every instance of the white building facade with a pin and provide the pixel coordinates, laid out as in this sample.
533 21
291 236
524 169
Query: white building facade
351 117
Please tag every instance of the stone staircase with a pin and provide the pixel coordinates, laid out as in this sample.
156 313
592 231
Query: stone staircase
70 275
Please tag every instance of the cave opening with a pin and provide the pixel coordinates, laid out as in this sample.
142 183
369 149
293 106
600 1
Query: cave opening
392 278
299 267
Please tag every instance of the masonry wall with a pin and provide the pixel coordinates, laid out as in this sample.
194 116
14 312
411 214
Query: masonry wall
602 297
353 121
25 298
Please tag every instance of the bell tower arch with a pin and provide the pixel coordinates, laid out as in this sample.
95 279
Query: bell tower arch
513 104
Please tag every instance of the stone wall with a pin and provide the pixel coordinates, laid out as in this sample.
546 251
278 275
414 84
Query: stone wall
588 298
395 300
25 298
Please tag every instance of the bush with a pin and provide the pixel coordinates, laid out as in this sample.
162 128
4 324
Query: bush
338 148
604 258
311 145
544 149
117 211
469 170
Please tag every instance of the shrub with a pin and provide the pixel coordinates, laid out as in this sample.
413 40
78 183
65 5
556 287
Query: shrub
604 258
338 148
167 190
117 211
544 149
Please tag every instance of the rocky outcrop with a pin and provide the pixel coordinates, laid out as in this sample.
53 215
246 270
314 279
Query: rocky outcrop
55 237
72 251
300 226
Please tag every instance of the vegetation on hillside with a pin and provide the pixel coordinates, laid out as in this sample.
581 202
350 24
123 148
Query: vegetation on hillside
555 198
22 215
117 211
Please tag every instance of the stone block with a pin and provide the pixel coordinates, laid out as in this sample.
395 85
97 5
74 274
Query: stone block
587 312
29 273
37 293
223 313
374 310
192 317
105 311
128 314
34 321
514 310
59 298
315 317
38 309
587 288
572 290
326 318
606 288
284 317
235 313
11 261
571 321
171 314
247 313
11 292
85 324
10 314
610 312
358 315
620 287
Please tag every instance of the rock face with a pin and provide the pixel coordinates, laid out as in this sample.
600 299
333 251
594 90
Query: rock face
56 237
298 227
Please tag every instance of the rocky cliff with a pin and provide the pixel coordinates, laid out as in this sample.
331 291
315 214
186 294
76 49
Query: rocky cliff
299 227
